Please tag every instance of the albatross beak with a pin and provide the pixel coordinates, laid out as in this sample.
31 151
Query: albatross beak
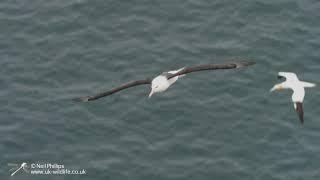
151 93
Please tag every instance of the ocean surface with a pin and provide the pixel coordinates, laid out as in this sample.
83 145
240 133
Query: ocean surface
222 125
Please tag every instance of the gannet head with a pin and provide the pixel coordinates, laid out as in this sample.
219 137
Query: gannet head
278 87
159 84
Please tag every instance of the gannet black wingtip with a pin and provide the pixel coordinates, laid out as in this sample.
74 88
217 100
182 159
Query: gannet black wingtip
299 109
242 64
280 77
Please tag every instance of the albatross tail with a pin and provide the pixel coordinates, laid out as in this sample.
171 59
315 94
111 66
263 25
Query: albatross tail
176 71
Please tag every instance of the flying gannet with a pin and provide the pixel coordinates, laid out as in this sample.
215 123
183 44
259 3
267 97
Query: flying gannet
292 82
163 81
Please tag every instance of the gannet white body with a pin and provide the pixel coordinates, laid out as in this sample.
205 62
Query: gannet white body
292 82
162 83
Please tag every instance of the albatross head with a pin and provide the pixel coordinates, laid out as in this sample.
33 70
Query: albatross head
159 84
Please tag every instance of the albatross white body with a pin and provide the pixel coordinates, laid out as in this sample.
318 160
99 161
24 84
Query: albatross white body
292 82
162 83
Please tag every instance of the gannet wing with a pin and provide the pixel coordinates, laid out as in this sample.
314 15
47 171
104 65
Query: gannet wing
299 109
114 90
288 75
307 84
205 67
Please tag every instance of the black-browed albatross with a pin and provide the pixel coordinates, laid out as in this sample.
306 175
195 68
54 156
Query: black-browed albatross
163 81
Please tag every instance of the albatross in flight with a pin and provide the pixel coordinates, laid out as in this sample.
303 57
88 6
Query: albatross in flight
163 81
292 82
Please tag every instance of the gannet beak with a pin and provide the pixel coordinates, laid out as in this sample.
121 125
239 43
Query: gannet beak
273 89
276 87
151 93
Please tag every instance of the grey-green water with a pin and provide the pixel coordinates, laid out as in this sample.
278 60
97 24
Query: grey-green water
212 125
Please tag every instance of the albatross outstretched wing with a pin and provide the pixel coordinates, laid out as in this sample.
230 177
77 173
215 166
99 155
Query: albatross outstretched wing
204 67
114 90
